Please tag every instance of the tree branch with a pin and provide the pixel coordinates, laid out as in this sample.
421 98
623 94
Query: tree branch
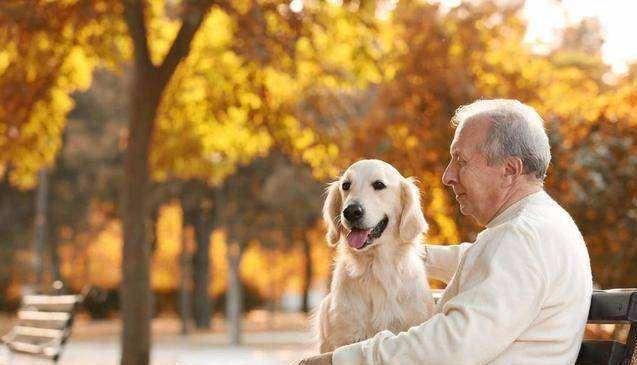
191 21
134 16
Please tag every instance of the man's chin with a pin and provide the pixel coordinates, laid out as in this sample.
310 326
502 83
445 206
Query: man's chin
469 213
465 210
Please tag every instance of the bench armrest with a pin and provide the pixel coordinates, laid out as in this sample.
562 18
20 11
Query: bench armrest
614 305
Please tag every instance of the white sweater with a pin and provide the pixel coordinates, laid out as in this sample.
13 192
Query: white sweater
519 295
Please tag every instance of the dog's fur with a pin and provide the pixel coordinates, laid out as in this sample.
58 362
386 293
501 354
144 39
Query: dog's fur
383 285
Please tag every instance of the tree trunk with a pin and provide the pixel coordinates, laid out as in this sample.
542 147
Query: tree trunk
234 295
151 239
185 283
151 228
40 227
307 273
274 292
201 269
53 241
135 287
148 84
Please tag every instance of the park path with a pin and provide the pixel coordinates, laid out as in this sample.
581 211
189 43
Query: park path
284 341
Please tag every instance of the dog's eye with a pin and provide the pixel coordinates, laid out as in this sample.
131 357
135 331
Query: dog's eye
346 185
378 185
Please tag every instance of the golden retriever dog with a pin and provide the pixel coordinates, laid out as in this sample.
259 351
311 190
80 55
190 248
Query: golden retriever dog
379 283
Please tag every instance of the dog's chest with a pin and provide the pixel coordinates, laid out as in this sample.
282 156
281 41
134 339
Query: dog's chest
378 305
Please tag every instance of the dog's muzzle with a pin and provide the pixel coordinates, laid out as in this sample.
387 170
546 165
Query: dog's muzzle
360 238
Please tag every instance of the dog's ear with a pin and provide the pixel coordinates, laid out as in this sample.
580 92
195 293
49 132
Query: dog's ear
412 221
332 213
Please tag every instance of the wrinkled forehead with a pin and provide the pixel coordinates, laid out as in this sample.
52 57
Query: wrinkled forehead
372 170
469 136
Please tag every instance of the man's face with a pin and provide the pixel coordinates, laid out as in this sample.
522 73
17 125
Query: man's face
479 188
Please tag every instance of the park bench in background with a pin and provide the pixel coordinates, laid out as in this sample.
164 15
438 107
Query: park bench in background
43 325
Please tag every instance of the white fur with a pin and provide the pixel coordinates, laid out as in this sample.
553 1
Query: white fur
382 286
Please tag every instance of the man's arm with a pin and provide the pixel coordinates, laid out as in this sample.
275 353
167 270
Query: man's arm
471 328
442 261
322 359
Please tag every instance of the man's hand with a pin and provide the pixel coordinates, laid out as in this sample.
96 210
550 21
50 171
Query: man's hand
323 359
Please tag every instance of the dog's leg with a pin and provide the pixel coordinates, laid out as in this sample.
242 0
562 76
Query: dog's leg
323 324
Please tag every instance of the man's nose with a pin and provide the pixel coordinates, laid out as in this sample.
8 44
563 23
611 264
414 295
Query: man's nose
449 177
353 212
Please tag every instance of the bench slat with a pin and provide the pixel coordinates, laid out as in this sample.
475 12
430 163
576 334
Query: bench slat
44 316
42 324
56 321
50 351
601 352
51 303
52 320
50 299
615 305
39 332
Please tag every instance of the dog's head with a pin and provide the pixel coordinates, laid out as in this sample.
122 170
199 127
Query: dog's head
370 204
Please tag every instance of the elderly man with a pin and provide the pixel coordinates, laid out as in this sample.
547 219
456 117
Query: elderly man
520 294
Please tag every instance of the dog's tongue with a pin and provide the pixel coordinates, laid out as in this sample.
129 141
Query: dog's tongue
356 237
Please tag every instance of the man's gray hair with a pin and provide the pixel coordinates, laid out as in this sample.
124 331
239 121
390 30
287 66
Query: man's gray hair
516 129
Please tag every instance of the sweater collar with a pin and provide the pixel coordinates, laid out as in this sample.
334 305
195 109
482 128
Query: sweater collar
513 210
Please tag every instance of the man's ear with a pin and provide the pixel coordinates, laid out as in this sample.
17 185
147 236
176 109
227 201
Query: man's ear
332 213
513 169
412 222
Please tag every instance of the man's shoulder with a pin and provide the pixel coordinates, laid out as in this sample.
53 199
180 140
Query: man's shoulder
547 230
535 226
537 209
543 216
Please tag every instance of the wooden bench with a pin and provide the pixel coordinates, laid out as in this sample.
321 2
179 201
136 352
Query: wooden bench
43 326
614 306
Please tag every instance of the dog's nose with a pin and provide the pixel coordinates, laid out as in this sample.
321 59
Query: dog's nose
353 212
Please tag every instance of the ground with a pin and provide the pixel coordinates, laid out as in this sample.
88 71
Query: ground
268 339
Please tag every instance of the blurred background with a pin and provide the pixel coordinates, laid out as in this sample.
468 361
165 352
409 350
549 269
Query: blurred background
167 158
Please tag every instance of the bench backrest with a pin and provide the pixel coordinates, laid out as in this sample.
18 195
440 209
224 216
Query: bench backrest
612 306
43 325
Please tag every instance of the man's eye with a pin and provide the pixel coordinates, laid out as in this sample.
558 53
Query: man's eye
461 163
378 185
346 185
